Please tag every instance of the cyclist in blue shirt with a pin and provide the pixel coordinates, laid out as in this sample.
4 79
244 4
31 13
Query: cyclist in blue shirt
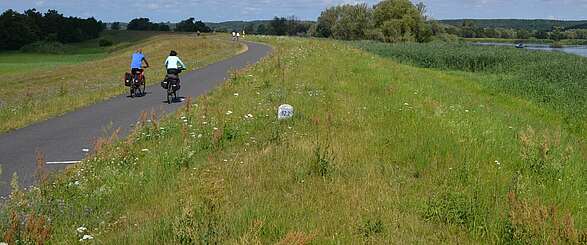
136 65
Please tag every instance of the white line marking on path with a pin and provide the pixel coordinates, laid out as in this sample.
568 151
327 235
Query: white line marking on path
64 162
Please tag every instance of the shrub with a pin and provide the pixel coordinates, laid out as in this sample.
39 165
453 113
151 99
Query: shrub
105 43
44 47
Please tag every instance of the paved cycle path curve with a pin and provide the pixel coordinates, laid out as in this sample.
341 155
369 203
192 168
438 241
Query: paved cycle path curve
65 139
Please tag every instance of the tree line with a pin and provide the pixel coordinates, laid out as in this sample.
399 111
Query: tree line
145 24
470 29
19 29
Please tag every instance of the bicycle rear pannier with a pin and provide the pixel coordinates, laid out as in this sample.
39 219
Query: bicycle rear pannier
127 79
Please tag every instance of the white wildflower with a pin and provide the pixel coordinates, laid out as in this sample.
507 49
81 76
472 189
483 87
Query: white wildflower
235 94
81 229
145 150
228 112
86 238
199 135
215 128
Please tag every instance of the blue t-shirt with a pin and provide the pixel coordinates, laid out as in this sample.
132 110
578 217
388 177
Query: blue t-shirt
137 61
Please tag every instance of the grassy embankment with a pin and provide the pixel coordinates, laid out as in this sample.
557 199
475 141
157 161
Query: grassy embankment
377 152
532 41
39 86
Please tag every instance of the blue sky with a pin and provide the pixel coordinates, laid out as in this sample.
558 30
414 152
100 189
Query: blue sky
222 10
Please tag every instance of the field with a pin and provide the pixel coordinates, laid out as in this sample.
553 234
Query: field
531 41
377 152
39 86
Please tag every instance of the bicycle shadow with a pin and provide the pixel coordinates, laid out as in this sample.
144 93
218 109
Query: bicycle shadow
142 95
179 99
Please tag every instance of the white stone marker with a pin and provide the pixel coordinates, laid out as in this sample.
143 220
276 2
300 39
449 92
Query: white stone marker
285 112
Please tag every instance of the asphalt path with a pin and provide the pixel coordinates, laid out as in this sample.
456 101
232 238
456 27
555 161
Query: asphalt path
66 139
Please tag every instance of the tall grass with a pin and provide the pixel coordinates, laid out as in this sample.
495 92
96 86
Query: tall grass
377 152
551 79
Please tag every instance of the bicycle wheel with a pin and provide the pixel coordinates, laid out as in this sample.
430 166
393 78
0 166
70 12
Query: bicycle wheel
137 90
144 87
169 95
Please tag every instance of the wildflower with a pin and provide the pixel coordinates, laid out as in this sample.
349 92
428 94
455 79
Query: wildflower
215 128
225 160
203 117
466 110
406 104
250 115
86 237
199 135
228 112
145 150
182 117
235 94
81 229
204 123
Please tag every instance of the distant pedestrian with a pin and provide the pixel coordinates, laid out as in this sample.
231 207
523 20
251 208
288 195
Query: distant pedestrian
238 36
233 35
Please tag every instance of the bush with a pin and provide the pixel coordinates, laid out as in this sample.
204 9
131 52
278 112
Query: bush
44 47
105 43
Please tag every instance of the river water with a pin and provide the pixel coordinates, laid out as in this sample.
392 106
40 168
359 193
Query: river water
577 50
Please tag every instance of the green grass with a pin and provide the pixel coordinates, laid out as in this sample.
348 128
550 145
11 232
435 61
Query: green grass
16 62
553 80
530 41
35 87
377 152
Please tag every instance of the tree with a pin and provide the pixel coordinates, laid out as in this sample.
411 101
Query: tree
250 29
115 26
262 29
556 34
164 27
401 18
522 34
352 22
326 21
278 26
16 30
140 24
190 25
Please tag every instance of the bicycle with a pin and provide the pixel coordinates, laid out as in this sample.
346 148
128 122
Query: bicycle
172 86
138 84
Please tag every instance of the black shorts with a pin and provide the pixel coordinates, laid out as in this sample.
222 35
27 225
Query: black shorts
136 71
173 71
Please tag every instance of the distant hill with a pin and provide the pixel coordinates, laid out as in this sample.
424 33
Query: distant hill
538 24
228 26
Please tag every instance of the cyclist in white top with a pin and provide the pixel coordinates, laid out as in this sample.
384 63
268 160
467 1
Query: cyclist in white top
173 64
